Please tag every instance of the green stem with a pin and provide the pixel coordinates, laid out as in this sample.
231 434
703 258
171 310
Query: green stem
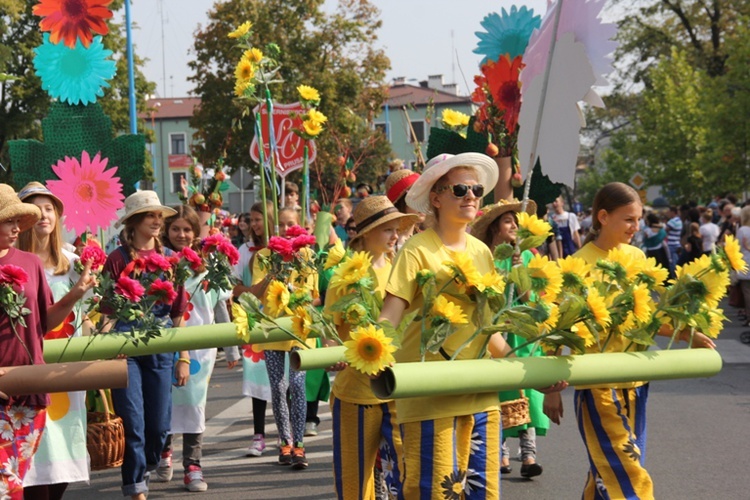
261 158
272 162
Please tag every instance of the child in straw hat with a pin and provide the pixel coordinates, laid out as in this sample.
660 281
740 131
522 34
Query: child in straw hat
358 415
396 187
22 418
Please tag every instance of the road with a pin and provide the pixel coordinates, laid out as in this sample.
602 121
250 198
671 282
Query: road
699 437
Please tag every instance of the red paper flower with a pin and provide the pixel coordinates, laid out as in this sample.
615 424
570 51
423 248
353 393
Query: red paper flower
190 307
295 231
212 242
163 291
502 80
69 20
304 240
129 288
93 253
64 330
282 246
13 275
192 257
157 262
249 351
228 249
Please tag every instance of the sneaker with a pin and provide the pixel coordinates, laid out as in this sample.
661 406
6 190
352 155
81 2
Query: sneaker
311 429
299 461
194 479
257 446
285 454
163 473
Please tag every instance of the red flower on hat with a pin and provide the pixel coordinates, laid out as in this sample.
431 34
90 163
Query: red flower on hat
163 291
71 20
129 288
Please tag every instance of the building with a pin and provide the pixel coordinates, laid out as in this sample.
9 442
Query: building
410 110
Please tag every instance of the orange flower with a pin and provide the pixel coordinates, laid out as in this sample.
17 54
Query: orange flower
502 80
71 20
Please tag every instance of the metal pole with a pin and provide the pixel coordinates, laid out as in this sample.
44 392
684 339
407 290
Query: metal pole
261 154
131 76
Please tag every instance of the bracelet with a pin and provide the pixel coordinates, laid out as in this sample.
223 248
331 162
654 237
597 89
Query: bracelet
184 360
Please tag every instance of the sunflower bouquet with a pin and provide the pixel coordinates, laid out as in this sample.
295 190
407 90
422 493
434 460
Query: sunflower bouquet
312 119
257 67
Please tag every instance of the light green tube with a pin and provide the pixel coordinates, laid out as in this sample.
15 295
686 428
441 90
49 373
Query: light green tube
313 359
323 224
442 378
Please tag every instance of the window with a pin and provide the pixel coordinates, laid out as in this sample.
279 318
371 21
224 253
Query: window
418 128
176 176
177 144
386 131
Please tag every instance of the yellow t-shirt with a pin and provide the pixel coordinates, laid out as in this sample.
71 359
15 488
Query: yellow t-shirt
591 254
426 251
311 281
351 385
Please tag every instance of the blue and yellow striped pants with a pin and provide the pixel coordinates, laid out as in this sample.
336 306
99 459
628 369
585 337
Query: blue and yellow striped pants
452 458
612 423
359 433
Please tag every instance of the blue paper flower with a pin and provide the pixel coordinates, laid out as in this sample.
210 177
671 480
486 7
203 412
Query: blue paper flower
75 76
508 34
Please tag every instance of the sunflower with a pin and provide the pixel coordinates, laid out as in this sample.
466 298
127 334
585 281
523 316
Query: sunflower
715 322
308 93
241 88
546 278
598 308
631 266
573 270
316 116
355 314
464 270
241 324
491 281
335 254
550 323
652 273
277 299
642 303
242 30
449 310
734 254
715 283
301 323
369 350
351 270
253 55
531 225
581 330
454 119
312 128
245 70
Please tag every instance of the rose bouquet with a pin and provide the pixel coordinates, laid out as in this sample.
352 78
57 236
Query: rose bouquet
291 259
13 299
219 257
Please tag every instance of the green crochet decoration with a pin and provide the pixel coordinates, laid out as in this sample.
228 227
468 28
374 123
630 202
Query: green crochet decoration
446 141
543 191
70 130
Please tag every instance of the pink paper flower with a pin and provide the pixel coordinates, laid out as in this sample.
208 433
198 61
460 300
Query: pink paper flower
301 241
129 288
93 253
192 258
282 246
157 262
228 249
213 241
163 291
13 275
295 231
91 194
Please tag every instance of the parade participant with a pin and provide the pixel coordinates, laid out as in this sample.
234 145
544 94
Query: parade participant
743 236
62 457
358 415
145 405
22 418
499 224
255 383
343 212
289 411
291 195
567 223
396 186
612 418
709 231
189 401
437 431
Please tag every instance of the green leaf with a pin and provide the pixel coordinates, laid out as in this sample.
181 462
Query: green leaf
532 242
519 275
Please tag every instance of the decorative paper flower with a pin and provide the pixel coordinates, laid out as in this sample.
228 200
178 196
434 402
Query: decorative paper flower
351 270
163 290
506 34
243 88
355 314
335 254
651 273
369 350
502 79
74 75
157 262
226 248
244 71
282 246
294 231
312 128
253 55
90 192
546 278
454 120
71 20
598 308
277 299
448 310
531 225
302 241
93 253
573 270
13 275
553 317
242 30
193 259
308 93
212 242
734 254
316 116
464 270
583 331
642 303
129 288
241 322
709 285
301 323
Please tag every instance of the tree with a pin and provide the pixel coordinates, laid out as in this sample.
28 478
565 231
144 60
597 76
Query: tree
23 103
332 52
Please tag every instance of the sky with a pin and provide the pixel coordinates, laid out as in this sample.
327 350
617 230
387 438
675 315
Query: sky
419 36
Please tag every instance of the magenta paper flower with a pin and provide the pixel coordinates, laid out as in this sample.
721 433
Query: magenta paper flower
13 275
192 257
129 288
89 191
230 251
163 291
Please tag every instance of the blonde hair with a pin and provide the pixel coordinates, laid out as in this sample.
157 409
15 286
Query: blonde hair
441 182
28 241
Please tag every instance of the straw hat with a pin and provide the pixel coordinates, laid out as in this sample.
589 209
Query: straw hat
490 213
141 202
375 211
38 189
11 207
398 183
418 196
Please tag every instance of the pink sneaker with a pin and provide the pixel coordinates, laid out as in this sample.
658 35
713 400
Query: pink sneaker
194 479
257 446
163 473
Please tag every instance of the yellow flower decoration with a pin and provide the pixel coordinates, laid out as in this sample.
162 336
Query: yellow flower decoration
453 118
241 324
533 224
598 308
277 299
241 86
550 323
308 93
715 322
734 254
716 283
253 55
653 272
355 314
316 116
245 70
546 277
574 271
301 323
491 281
335 254
448 310
583 331
312 128
242 30
632 266
369 350
351 270
464 270
642 303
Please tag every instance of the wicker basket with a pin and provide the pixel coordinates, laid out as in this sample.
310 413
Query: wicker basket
105 437
515 412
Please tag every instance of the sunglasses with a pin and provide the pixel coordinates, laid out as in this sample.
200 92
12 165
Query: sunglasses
461 190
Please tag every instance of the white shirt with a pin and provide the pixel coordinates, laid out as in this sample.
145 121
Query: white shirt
710 233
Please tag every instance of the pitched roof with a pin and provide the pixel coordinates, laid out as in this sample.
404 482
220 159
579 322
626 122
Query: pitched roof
175 107
402 95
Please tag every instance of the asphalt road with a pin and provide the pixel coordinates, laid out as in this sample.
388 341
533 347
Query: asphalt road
698 445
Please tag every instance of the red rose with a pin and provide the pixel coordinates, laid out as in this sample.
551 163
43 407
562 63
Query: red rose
192 257
157 262
129 288
163 291
13 275
213 241
93 253
282 246
304 240
228 249
295 231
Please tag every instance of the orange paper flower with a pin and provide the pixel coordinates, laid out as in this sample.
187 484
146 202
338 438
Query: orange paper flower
502 80
68 20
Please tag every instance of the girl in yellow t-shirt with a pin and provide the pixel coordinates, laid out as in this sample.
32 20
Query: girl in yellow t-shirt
362 423
612 418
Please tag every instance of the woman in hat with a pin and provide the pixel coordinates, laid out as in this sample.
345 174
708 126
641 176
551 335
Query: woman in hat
62 457
439 430
145 405
497 225
358 415
396 187
22 418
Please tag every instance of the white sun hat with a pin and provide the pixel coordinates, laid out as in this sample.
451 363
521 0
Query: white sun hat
143 201
418 196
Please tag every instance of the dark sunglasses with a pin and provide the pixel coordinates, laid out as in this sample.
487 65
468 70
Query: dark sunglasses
461 190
